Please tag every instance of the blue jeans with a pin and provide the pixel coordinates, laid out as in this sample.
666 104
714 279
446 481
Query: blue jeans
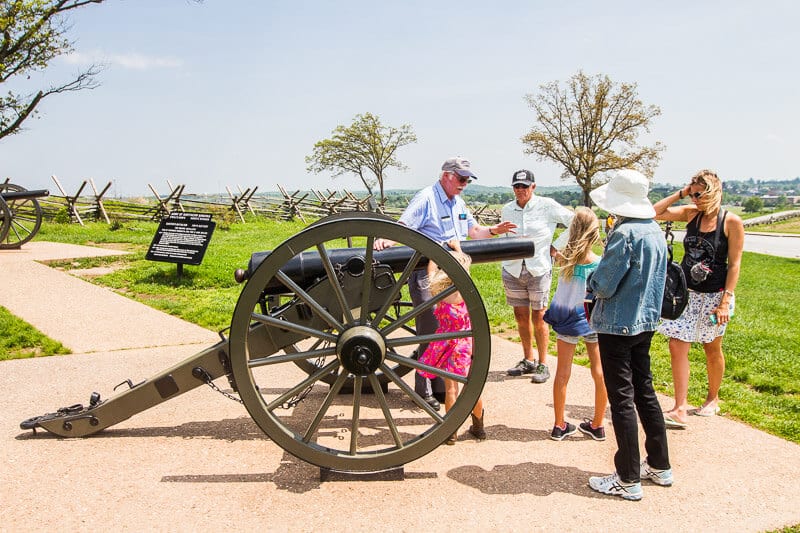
426 323
626 370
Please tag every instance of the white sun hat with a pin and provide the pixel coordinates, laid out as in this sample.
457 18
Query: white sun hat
625 195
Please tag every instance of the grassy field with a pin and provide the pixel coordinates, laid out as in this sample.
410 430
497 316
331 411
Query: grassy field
762 379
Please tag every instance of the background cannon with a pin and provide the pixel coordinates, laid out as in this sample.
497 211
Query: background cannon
319 364
20 214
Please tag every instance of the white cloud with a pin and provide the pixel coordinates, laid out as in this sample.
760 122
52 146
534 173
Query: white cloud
773 138
131 61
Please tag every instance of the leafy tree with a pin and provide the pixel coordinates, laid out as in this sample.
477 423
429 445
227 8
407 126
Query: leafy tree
366 148
33 34
753 204
591 125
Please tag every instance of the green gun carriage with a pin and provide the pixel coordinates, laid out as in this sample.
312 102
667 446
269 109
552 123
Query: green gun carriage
320 340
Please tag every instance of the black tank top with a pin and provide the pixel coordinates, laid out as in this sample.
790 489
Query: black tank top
699 247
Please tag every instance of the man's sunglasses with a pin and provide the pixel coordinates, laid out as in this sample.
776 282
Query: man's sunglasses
521 186
462 179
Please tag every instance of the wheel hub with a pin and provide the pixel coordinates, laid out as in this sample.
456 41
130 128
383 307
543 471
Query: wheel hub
361 350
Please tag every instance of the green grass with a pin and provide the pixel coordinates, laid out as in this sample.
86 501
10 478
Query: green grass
20 340
762 378
204 294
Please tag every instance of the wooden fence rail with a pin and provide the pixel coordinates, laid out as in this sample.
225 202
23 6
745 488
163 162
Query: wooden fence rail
306 206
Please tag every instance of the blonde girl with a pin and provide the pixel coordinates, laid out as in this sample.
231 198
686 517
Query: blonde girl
567 317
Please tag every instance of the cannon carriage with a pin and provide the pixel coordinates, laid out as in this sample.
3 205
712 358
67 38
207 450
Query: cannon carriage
20 214
320 343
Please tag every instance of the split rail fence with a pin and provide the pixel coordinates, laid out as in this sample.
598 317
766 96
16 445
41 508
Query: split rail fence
89 203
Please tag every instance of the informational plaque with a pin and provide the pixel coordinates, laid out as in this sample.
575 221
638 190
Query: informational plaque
182 238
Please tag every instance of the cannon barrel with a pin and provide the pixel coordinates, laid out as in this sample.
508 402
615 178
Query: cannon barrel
307 267
24 195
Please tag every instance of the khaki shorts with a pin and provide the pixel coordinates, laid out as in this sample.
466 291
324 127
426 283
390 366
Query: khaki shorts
527 290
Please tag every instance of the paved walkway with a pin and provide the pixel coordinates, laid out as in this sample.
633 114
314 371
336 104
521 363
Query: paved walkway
199 462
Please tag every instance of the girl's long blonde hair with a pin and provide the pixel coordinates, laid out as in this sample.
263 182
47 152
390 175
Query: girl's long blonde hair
584 232
440 280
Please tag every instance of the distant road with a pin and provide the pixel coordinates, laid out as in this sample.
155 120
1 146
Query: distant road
779 244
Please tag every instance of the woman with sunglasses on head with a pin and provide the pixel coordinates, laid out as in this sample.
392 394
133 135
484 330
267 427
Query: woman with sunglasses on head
711 262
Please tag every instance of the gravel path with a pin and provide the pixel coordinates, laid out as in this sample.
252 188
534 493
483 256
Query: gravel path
199 462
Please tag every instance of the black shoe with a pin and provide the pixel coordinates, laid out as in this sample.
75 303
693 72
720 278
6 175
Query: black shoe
433 402
595 433
560 434
523 367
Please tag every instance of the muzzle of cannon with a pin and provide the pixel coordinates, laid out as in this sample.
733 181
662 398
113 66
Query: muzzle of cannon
318 354
20 214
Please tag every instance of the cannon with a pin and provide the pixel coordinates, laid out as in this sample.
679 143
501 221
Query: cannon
320 340
20 214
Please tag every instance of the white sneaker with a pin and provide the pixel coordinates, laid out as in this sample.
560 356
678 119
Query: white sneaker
613 486
659 477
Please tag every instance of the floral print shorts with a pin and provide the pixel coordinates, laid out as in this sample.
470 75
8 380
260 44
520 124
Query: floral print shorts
694 324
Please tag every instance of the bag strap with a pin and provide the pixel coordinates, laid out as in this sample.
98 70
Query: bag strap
670 237
720 224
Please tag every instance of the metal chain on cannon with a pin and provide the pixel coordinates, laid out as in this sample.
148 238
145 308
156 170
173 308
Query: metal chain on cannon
201 373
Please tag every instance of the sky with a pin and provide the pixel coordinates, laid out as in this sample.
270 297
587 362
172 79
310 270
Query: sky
234 93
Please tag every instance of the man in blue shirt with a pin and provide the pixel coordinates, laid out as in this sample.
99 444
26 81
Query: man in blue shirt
439 212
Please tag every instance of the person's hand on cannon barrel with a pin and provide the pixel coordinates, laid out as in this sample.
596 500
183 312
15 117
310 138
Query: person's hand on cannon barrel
382 244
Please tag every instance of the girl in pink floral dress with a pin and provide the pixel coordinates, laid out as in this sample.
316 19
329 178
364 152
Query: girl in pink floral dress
452 355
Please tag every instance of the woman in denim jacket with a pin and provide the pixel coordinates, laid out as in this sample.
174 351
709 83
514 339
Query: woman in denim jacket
629 286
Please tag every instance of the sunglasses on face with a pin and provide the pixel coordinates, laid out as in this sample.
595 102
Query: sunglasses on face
696 195
521 186
462 179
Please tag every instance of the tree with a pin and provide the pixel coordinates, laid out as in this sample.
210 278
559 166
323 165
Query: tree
753 204
364 147
591 126
33 34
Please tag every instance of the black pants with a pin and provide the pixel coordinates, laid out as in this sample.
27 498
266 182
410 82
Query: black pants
629 382
426 323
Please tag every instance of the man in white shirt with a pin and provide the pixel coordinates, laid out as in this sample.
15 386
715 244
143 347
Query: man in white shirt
527 281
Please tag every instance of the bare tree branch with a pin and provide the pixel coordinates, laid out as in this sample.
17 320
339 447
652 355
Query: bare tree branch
591 126
33 34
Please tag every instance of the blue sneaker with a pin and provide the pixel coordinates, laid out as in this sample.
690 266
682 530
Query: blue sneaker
613 486
659 477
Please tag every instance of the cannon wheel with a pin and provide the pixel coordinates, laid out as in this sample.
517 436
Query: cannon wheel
5 219
24 220
310 366
358 431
